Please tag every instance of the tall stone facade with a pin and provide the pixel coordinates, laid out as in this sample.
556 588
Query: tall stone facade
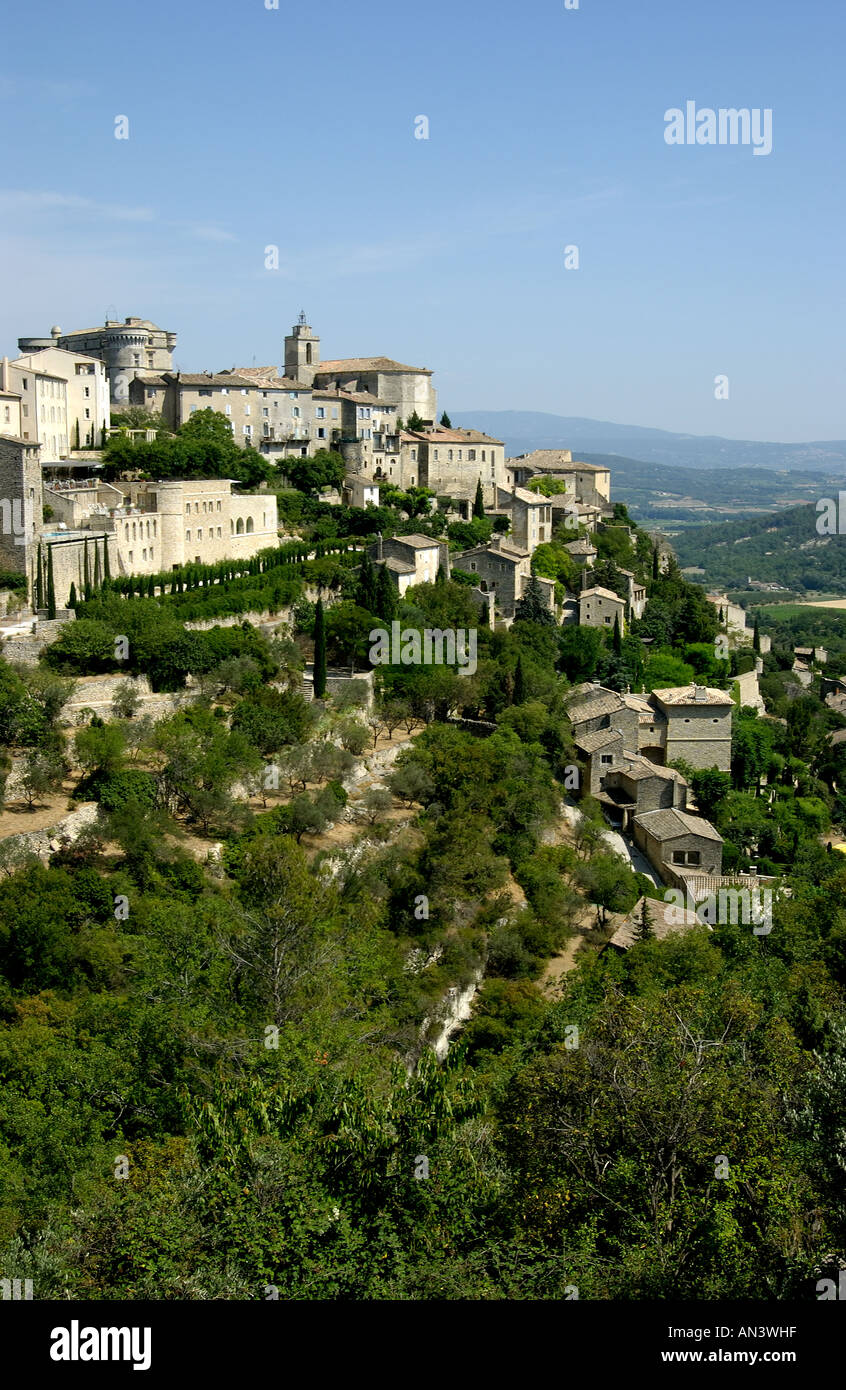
127 348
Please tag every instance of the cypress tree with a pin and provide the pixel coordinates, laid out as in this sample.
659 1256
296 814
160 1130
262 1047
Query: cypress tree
319 652
51 588
86 572
656 569
39 581
756 638
107 573
386 595
479 502
72 596
519 683
643 930
366 591
98 574
446 422
617 641
76 435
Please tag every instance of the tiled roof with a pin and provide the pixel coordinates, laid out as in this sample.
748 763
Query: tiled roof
637 768
692 695
670 825
417 541
600 738
606 702
664 919
339 365
601 593
439 435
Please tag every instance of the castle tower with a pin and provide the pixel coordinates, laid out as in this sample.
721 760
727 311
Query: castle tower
302 352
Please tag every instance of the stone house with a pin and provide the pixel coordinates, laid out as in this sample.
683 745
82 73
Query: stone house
674 841
698 725
600 750
506 569
599 607
411 560
634 786
531 516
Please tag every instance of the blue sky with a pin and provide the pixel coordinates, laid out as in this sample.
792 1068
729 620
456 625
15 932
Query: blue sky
295 127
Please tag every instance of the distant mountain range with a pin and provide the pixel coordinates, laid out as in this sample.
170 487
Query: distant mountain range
525 430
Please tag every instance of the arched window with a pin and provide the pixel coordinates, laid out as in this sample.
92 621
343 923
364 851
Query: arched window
239 529
249 524
133 531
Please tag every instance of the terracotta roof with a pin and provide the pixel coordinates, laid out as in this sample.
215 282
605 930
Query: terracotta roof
665 917
671 825
556 458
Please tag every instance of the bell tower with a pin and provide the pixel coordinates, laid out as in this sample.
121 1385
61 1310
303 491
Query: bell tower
302 352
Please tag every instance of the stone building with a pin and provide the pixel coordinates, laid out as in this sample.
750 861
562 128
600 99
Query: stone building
504 569
82 418
690 722
531 516
589 482
412 559
451 462
634 785
599 607
127 348
20 504
600 750
698 725
674 841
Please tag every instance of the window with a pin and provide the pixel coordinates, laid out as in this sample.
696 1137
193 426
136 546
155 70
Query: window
87 392
130 557
606 757
218 506
204 391
218 533
296 412
193 408
187 535
334 412
136 359
187 506
449 455
228 410
224 390
196 508
199 533
320 412
471 455
321 434
265 410
246 410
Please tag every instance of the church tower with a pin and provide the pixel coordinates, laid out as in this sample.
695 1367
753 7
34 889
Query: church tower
302 352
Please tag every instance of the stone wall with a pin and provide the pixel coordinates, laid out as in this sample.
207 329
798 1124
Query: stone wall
43 843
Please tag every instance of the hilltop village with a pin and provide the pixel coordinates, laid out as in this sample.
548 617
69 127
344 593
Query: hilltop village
295 929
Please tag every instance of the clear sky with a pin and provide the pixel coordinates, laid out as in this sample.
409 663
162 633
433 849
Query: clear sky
295 127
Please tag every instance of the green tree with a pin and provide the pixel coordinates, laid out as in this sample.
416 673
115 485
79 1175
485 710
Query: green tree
312 475
51 586
319 652
532 608
479 502
445 422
